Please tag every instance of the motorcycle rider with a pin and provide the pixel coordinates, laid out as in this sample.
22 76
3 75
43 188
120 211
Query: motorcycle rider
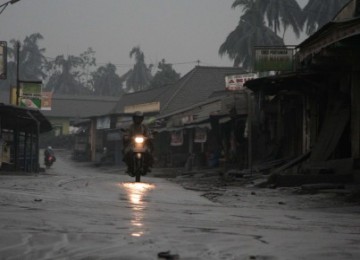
49 152
137 128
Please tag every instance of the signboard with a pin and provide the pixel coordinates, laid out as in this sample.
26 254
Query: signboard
31 88
236 82
3 60
146 107
273 59
30 94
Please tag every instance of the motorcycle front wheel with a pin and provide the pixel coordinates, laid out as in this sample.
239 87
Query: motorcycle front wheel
138 168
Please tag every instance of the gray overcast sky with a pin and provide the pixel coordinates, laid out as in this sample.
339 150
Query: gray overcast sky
177 30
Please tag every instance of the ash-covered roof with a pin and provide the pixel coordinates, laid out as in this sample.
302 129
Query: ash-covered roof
80 106
195 87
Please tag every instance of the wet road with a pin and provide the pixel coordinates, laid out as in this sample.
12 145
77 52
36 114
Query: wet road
79 212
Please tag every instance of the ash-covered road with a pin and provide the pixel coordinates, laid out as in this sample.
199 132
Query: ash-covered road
79 212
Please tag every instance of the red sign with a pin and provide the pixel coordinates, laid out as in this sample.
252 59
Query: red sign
236 82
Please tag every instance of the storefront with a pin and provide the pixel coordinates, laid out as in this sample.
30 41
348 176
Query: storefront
20 131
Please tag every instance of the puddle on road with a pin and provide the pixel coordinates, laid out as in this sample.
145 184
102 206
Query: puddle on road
136 192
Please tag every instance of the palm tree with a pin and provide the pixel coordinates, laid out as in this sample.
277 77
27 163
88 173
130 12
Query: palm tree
69 75
64 78
317 13
140 76
278 13
251 31
106 82
286 13
32 59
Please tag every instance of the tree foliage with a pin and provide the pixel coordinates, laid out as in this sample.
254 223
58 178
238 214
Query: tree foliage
164 76
31 61
32 58
262 20
251 31
282 14
70 75
317 13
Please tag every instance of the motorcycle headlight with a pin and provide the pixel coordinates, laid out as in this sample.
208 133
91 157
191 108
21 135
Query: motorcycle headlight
139 139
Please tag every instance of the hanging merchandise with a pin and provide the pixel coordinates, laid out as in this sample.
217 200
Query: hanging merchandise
200 135
177 138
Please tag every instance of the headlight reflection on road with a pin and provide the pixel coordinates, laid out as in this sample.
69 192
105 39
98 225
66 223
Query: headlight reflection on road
136 191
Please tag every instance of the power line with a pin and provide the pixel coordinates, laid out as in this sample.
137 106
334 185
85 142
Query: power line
128 65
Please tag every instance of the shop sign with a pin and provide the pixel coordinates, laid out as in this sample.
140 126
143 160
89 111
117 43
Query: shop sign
236 82
273 59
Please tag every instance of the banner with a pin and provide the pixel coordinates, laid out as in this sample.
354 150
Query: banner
46 100
32 102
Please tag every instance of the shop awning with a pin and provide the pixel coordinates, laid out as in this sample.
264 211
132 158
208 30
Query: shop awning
23 119
288 81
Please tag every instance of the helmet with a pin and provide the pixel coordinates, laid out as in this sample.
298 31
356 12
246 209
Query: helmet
49 147
138 117
138 114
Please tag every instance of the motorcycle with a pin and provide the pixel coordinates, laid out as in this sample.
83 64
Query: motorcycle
139 150
49 160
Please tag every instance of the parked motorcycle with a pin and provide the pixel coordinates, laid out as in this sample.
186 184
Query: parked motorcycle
139 153
49 160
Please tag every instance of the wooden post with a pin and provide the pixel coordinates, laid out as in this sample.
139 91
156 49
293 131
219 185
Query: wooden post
355 114
93 139
17 72
250 119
